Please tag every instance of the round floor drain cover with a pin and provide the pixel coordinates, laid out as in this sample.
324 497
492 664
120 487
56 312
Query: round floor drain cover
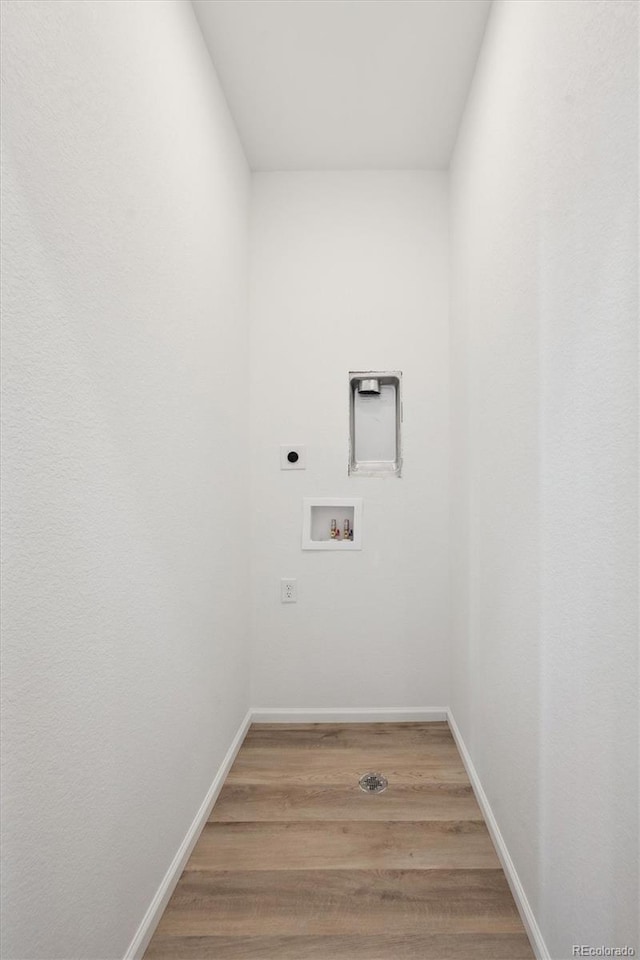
373 783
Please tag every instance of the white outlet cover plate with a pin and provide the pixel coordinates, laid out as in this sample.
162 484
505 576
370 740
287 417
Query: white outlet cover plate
288 590
286 449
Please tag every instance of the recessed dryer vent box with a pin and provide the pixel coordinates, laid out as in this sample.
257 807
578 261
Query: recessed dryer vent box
318 529
375 422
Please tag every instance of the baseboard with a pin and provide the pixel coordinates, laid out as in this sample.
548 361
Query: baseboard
520 897
151 918
347 714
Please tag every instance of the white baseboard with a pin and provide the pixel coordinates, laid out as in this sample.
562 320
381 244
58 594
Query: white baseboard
347 714
520 897
162 896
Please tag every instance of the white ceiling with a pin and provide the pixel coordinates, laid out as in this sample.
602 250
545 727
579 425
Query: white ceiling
344 84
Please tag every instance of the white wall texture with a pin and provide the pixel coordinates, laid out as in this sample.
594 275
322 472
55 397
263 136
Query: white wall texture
132 500
544 455
349 271
125 490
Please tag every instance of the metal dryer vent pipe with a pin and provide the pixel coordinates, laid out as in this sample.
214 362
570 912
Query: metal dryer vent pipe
369 387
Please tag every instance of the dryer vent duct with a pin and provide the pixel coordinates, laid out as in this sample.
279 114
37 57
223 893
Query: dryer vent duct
369 387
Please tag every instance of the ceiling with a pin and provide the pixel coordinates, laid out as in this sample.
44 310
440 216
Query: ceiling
345 84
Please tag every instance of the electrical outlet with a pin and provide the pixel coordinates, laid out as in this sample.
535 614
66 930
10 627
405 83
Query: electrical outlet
288 591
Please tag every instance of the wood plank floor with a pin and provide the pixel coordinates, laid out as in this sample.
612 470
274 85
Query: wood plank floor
297 863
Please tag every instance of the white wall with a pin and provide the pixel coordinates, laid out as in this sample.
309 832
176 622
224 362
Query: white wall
125 335
544 459
349 272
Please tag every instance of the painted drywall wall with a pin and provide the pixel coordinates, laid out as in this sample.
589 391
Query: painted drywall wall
544 455
125 214
349 272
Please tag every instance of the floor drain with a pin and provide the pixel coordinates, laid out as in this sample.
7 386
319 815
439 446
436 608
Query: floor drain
373 783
